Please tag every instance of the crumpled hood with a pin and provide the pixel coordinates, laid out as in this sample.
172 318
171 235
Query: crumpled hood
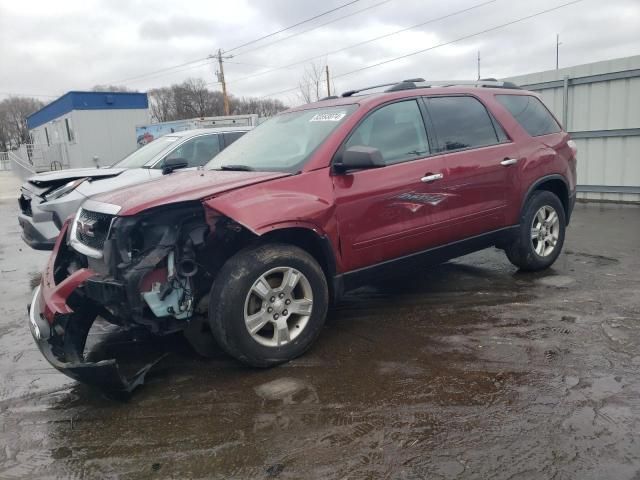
63 176
181 187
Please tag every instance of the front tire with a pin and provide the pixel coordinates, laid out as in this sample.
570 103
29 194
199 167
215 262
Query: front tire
541 234
268 304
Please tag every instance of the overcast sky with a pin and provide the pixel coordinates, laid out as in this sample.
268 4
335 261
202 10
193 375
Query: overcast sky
50 47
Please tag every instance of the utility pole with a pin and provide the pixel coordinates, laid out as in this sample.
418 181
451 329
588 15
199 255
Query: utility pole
478 64
558 43
220 74
326 67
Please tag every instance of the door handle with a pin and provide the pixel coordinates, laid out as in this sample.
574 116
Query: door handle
508 161
432 177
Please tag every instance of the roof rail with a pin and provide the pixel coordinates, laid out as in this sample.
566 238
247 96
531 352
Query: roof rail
488 82
349 93
422 83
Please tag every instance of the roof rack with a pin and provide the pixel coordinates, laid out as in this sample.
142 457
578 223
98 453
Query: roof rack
422 83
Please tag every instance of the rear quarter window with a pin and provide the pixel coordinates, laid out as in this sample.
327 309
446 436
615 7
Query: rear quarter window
530 113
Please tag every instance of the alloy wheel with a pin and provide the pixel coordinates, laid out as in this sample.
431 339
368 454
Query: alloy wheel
278 306
545 231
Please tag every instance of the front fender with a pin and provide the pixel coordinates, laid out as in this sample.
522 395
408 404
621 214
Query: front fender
301 200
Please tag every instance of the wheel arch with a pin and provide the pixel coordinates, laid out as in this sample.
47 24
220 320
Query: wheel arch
555 184
313 242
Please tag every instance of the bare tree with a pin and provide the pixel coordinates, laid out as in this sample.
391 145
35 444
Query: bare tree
192 99
312 86
161 104
13 120
263 107
111 88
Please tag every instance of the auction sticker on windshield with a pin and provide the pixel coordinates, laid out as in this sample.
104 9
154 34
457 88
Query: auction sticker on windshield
328 117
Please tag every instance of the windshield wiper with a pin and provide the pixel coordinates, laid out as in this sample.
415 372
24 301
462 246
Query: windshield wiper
238 168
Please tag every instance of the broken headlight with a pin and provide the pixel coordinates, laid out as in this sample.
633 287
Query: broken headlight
64 189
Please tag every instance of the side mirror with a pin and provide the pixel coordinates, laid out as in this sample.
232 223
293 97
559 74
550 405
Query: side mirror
359 157
171 164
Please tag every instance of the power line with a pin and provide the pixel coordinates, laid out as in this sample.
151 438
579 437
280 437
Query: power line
155 72
174 67
299 62
497 27
264 45
204 63
16 94
293 26
249 64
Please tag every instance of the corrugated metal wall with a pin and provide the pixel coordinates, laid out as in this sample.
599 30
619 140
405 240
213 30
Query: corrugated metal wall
599 104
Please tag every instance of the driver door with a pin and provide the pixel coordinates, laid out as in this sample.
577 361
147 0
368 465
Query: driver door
381 211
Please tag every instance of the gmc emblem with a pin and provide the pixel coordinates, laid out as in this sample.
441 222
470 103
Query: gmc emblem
85 227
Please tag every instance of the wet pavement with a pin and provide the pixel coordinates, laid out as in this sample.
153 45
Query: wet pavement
467 370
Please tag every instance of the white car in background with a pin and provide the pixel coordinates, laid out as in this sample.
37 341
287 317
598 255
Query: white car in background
48 199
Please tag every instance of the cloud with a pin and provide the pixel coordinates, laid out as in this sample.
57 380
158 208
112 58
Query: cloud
52 47
174 27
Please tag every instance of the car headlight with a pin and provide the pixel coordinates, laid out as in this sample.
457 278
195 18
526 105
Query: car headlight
64 189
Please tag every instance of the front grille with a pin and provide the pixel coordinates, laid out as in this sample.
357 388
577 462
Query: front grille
25 205
92 228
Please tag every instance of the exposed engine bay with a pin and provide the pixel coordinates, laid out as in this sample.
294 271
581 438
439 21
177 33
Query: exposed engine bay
156 268
152 270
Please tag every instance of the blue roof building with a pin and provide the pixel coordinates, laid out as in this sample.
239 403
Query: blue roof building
85 129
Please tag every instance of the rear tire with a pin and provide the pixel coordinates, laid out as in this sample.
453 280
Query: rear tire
268 304
541 235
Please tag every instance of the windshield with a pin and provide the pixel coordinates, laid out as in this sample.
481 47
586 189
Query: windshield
144 155
283 143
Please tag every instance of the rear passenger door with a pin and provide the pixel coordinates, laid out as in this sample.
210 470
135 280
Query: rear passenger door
474 163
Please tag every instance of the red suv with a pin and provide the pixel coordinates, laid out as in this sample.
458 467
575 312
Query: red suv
316 201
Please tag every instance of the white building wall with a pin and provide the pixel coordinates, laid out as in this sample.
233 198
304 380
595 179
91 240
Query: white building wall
603 116
109 135
54 153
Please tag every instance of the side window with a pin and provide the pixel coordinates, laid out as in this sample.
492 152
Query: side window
397 130
197 151
231 137
461 122
530 113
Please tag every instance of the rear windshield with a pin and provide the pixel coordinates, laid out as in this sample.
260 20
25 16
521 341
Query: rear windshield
284 143
530 113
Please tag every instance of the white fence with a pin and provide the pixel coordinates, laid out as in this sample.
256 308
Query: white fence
32 158
44 158
5 163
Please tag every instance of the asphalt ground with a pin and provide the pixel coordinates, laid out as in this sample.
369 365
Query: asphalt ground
466 370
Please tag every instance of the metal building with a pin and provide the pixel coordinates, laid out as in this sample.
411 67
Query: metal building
85 129
599 104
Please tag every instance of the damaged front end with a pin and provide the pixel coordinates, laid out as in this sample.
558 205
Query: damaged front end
152 271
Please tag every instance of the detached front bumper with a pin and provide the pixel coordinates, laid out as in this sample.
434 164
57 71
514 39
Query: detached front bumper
61 333
58 351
